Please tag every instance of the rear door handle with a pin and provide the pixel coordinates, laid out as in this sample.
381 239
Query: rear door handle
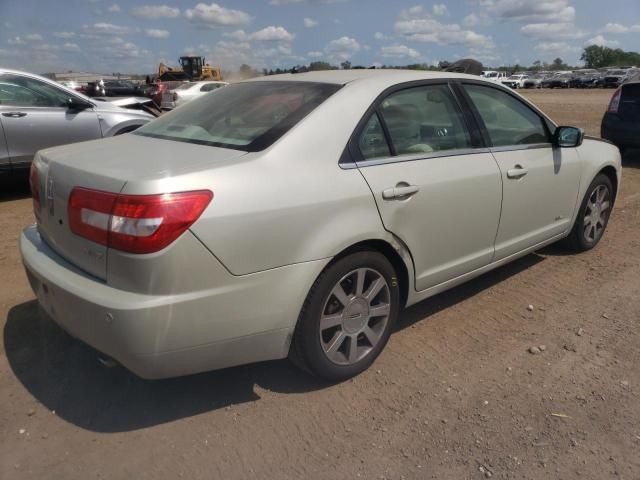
400 192
14 114
517 172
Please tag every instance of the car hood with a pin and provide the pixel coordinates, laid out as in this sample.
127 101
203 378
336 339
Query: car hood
118 106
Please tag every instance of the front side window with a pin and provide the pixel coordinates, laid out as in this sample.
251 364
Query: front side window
244 116
507 119
423 120
19 91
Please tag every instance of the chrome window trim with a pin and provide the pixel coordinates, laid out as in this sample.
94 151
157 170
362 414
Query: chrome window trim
420 156
372 162
513 148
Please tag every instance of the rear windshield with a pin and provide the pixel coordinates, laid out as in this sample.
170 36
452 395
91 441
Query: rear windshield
244 116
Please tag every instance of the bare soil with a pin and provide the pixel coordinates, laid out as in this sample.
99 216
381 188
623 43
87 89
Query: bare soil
455 395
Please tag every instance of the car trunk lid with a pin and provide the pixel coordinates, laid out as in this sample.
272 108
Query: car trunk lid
107 165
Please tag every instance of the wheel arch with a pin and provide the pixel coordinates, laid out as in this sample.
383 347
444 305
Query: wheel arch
612 174
390 253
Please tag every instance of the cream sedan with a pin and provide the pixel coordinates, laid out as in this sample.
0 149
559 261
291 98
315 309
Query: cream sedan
296 215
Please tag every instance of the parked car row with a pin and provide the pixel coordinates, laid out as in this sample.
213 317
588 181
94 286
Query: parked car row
585 78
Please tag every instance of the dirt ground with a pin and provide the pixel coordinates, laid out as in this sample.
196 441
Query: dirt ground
455 395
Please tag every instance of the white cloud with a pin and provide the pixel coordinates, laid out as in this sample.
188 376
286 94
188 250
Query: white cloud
156 33
314 54
531 11
114 8
555 48
603 42
300 2
272 34
33 37
64 34
342 48
154 12
547 31
21 40
619 28
380 36
102 28
237 35
71 47
310 22
440 9
212 16
476 19
399 51
418 25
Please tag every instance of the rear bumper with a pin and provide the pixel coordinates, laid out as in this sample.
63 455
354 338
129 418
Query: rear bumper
248 319
622 133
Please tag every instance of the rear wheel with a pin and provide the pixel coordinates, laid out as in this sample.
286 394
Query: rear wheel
347 317
593 215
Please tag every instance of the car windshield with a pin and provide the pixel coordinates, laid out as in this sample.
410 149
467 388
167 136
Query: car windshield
246 116
185 86
617 72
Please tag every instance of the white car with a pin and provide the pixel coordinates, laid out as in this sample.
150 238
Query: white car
295 215
187 92
494 76
515 81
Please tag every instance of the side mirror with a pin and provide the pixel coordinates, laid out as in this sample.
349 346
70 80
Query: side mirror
77 105
569 137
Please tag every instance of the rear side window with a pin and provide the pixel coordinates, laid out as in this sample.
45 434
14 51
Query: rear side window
19 91
507 119
372 142
244 116
423 120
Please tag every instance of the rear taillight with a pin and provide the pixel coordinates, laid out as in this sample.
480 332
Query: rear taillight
134 223
34 183
614 104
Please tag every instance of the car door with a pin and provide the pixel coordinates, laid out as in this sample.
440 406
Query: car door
35 116
436 188
540 182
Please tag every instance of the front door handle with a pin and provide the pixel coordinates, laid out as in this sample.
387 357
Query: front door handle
402 191
517 172
14 114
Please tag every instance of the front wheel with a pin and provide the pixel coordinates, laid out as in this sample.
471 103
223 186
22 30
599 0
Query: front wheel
593 215
347 317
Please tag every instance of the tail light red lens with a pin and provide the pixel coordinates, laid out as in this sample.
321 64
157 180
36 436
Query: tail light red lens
134 223
614 104
34 183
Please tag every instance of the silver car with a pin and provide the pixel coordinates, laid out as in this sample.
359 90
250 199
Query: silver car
296 215
37 113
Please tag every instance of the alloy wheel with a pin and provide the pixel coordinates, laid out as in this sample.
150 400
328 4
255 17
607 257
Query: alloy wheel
597 213
354 316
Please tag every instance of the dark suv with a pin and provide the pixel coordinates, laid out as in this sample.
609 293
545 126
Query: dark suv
621 123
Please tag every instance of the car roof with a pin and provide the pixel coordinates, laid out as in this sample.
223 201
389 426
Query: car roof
342 77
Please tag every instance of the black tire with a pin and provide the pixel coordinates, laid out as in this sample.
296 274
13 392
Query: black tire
307 351
577 240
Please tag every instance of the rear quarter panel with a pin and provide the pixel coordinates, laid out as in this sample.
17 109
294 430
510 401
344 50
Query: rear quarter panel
293 203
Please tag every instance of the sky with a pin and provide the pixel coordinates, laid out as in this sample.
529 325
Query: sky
133 36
